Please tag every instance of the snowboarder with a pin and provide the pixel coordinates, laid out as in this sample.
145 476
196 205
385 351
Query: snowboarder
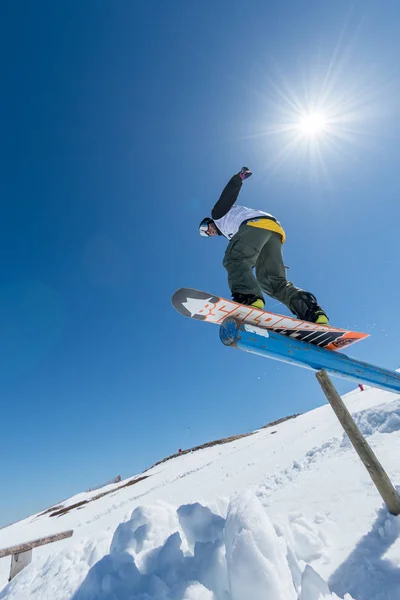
255 241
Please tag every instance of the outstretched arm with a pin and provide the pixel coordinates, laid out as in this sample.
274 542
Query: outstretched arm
228 197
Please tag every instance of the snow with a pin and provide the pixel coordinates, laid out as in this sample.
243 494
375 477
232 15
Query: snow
255 555
288 513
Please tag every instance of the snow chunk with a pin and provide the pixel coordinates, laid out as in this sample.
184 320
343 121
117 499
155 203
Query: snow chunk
200 524
196 591
283 530
307 541
313 586
148 527
256 557
204 532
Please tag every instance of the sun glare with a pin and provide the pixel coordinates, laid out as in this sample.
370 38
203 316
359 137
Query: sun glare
322 112
312 124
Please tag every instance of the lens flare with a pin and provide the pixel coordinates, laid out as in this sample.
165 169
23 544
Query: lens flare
320 113
312 124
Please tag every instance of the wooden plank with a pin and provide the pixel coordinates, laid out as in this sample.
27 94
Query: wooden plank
35 543
361 446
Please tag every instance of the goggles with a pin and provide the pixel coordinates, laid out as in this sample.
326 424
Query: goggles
203 227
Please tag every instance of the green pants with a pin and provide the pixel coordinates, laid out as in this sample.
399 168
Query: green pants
261 249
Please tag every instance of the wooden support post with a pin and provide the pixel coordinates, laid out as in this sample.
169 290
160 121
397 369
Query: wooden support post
371 463
19 562
21 554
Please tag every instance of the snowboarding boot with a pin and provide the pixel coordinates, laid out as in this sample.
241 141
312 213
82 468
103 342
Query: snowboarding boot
322 319
248 300
305 306
244 173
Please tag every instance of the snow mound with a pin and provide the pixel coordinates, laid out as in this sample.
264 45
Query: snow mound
378 419
191 553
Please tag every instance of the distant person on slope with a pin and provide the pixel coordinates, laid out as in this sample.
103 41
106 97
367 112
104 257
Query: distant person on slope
256 239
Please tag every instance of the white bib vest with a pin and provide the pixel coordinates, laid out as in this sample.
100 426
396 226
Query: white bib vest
230 223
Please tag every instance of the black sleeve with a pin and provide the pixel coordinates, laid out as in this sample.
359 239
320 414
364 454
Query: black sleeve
228 197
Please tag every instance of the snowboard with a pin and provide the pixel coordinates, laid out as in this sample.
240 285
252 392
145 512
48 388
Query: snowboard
202 306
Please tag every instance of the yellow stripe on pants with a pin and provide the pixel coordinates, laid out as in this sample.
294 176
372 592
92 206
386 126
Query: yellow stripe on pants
268 224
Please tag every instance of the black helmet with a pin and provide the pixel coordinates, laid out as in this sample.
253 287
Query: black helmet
204 226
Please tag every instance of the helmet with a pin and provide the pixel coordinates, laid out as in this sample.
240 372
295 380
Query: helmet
204 226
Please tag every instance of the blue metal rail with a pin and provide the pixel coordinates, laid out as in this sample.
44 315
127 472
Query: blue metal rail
279 347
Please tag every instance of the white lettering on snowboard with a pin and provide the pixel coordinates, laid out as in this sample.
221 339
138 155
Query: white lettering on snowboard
217 312
207 309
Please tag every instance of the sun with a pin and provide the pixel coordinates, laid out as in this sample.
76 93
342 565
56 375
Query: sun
320 115
312 124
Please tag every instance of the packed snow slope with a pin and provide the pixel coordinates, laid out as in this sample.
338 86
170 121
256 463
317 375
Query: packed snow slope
287 513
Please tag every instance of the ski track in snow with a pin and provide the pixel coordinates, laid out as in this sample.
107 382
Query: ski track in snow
291 516
290 474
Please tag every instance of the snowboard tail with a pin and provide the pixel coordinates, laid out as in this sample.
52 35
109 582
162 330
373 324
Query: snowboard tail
202 306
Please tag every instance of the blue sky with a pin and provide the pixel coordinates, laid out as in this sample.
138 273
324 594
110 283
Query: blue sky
120 125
